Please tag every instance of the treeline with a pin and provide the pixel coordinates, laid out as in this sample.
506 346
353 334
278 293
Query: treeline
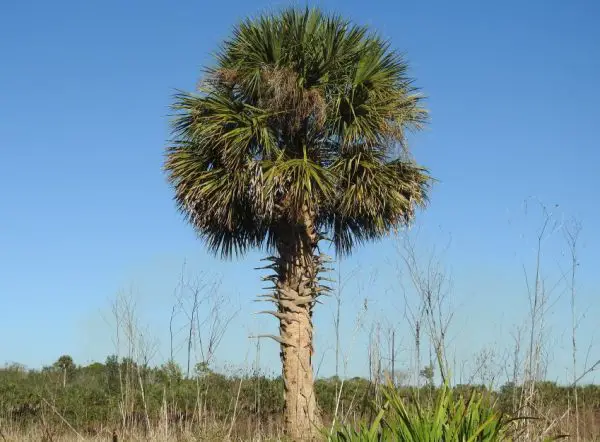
121 393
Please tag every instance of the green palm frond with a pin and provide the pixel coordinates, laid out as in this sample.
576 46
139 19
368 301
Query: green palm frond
449 418
302 111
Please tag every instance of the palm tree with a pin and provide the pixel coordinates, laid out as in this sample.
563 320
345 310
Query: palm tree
297 135
66 365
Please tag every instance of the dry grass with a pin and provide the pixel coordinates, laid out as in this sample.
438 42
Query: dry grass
211 433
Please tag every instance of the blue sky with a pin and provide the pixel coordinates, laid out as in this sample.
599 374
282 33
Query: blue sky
85 210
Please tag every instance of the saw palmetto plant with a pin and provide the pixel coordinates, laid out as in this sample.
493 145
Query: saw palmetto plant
450 418
297 134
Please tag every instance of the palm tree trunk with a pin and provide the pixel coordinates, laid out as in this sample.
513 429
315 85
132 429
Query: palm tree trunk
296 292
301 414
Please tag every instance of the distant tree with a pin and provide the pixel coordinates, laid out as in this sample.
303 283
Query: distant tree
428 374
66 365
172 371
202 369
112 373
16 367
298 135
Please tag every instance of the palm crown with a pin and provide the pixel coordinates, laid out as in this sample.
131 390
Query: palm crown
302 114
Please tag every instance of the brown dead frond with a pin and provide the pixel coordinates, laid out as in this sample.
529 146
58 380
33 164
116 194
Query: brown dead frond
284 94
215 78
227 75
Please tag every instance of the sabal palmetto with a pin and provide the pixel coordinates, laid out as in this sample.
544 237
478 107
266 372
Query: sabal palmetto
295 135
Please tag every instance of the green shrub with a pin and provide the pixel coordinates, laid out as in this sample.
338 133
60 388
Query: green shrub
447 419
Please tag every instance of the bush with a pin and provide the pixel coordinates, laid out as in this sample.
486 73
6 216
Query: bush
447 419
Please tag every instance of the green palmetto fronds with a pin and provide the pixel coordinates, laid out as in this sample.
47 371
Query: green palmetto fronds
302 113
448 418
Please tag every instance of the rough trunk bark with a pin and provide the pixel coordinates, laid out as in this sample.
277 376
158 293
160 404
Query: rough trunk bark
296 292
301 416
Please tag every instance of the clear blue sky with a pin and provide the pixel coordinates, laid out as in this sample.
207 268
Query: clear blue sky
85 210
